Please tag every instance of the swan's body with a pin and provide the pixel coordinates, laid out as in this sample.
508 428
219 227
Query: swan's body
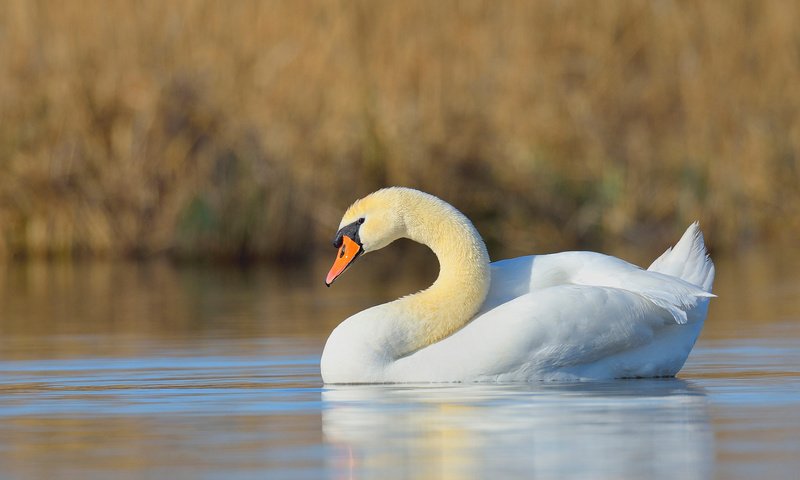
573 315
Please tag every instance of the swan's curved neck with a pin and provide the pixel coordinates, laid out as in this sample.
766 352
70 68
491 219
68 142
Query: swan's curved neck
463 282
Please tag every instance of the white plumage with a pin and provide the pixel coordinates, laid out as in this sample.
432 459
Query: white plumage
564 316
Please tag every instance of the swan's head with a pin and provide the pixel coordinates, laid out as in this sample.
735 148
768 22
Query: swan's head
368 225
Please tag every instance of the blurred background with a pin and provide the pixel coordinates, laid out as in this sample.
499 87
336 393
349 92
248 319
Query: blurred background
203 135
242 130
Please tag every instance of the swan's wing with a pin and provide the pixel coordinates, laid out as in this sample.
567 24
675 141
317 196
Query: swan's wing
520 276
558 329
683 271
670 293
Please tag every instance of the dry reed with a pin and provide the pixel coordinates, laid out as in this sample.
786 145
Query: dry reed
239 129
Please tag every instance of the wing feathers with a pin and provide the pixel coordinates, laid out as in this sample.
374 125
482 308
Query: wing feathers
688 260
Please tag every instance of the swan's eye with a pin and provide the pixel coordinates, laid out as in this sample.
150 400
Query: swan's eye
361 220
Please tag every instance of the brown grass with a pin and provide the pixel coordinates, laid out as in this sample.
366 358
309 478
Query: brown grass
227 129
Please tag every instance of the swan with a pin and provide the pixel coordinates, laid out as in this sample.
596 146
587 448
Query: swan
566 316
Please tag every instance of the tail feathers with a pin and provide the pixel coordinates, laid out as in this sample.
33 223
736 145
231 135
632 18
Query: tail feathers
688 260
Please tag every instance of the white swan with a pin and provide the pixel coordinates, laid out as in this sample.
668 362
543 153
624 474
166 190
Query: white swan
563 316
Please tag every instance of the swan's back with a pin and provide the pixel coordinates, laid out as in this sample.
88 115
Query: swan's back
677 278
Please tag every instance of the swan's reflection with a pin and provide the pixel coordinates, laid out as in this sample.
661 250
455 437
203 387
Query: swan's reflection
623 429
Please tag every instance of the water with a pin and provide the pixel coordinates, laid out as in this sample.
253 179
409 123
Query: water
153 371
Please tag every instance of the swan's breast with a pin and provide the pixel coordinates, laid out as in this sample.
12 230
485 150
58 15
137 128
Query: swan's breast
355 351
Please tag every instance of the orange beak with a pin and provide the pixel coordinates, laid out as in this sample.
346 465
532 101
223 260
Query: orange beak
348 252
